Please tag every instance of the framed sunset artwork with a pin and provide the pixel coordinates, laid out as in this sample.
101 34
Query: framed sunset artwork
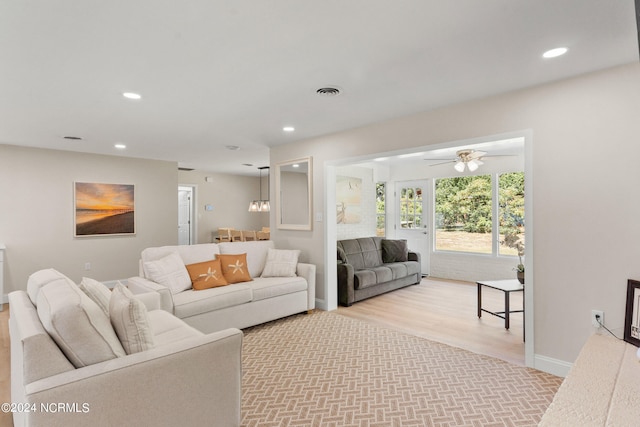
104 209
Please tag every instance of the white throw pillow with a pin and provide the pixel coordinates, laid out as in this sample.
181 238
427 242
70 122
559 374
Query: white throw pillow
281 263
169 271
76 323
97 291
130 320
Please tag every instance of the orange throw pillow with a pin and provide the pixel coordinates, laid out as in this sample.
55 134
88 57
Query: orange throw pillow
234 268
205 275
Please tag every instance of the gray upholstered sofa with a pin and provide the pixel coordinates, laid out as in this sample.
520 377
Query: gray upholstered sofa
71 367
371 266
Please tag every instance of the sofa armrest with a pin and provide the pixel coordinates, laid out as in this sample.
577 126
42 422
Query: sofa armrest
151 300
308 271
414 256
192 382
346 292
140 285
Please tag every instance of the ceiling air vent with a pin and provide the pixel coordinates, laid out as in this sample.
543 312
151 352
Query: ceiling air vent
185 169
328 91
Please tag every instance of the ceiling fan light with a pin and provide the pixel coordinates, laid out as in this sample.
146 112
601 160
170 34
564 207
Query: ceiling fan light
472 165
459 166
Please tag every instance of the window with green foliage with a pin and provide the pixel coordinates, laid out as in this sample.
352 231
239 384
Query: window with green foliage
511 213
465 209
463 214
411 207
381 210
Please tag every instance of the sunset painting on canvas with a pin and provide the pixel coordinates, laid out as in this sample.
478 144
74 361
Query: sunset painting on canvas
103 209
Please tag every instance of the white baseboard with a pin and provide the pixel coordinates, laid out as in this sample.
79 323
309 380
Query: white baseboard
551 366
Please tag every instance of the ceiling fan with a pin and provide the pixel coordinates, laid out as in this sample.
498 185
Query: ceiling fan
466 158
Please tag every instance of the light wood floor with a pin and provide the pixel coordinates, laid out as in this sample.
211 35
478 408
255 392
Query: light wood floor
440 310
446 311
5 357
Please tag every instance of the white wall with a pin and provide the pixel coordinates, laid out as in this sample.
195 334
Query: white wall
584 181
229 195
37 213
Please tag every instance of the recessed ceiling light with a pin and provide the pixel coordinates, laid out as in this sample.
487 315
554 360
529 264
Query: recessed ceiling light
120 146
553 53
73 138
380 159
232 147
288 128
131 95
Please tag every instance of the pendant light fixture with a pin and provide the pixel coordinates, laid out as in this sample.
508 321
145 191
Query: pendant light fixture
261 205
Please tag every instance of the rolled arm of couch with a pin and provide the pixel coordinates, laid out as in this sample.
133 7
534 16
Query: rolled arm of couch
140 285
192 382
308 271
414 256
346 294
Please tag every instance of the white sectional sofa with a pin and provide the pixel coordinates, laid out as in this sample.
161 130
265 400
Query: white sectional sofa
239 305
601 389
70 367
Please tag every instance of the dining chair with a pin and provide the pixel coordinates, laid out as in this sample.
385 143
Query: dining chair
236 236
248 235
224 234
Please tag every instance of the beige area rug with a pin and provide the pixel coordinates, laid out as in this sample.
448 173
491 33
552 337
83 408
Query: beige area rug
325 369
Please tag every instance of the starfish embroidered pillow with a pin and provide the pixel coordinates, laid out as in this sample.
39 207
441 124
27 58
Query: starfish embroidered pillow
207 274
234 268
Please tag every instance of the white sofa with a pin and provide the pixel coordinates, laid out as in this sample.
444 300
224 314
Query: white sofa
601 389
237 305
66 369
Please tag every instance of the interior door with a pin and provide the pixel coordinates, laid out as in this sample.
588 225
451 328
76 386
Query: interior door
412 218
185 233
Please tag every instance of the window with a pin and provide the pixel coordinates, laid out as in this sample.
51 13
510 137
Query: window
511 213
463 214
465 208
381 210
411 207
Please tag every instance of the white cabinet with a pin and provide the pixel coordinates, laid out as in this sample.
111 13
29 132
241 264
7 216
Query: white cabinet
2 248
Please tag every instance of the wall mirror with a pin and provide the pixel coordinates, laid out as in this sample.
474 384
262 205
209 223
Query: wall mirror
293 194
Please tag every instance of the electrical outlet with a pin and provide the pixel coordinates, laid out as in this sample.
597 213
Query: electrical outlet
87 266
594 321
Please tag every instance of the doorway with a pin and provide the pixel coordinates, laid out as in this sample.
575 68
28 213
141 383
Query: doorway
186 215
412 203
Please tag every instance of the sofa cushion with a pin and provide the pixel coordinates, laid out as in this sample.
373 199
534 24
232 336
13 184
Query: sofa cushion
191 303
130 321
42 358
190 254
97 291
269 287
398 269
168 329
256 253
281 263
234 268
41 278
394 250
76 323
207 274
169 271
362 253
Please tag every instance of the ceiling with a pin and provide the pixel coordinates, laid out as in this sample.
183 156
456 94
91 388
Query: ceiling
219 73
